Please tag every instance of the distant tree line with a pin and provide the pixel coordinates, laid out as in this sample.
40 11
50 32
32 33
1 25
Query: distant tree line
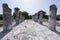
27 16
1 16
58 17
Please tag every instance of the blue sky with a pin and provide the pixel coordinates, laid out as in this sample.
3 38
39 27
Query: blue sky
31 6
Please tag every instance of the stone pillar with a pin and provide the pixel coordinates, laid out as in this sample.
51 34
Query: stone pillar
6 18
40 17
33 17
36 17
17 15
22 18
10 18
52 18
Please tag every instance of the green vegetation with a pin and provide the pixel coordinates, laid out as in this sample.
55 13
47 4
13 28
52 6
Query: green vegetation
1 16
1 22
58 17
27 16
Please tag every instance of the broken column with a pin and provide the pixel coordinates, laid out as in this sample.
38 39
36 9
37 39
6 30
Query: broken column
17 15
40 17
52 18
7 24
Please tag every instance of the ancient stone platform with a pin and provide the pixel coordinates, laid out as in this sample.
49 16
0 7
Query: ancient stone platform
30 30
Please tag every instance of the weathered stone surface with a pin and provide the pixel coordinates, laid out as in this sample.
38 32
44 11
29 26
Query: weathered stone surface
30 30
22 18
40 17
7 18
52 18
17 15
35 17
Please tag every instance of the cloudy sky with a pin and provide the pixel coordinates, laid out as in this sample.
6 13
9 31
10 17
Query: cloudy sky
31 6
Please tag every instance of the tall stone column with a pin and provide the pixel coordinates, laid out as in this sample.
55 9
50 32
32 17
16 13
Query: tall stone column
40 17
52 18
6 18
10 18
17 15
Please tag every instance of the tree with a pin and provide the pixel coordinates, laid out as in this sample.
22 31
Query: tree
58 17
30 16
1 16
25 14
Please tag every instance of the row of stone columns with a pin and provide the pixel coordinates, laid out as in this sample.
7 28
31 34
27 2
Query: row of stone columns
38 17
19 16
7 17
52 17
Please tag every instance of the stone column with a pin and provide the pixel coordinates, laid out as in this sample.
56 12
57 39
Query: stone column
52 18
40 17
33 17
36 17
22 18
17 15
10 18
6 18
